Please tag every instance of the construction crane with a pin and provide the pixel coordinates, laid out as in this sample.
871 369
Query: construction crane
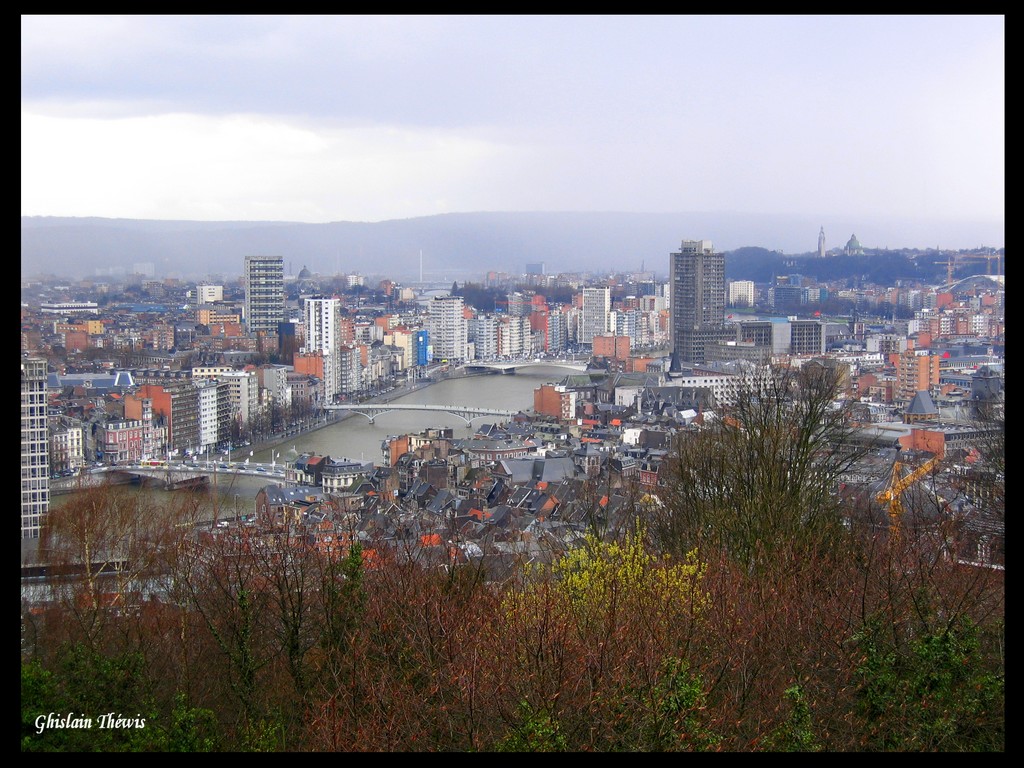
898 483
954 259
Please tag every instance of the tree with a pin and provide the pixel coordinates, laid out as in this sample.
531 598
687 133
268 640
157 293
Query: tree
101 546
764 473
600 642
935 695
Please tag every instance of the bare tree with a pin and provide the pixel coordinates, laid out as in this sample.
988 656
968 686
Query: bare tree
766 472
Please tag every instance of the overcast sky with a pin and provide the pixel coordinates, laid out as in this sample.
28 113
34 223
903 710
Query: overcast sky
366 118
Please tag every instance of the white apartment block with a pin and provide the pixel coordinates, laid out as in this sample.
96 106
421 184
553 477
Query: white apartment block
483 332
741 293
209 418
597 302
513 336
321 320
448 328
35 454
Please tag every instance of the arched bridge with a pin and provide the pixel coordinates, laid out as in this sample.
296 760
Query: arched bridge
465 412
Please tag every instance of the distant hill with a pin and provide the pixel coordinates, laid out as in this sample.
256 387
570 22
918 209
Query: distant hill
457 246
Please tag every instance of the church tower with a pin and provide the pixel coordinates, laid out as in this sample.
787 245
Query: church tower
821 243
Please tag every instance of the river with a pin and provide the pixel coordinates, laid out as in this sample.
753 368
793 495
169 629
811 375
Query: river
353 437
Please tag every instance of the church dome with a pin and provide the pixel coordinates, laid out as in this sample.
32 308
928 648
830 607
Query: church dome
853 244
305 274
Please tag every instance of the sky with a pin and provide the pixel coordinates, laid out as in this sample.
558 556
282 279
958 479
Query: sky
369 118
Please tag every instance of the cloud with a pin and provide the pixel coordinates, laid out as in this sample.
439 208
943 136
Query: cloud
246 167
368 117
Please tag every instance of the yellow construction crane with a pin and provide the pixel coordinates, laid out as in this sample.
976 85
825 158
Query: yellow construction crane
954 260
898 483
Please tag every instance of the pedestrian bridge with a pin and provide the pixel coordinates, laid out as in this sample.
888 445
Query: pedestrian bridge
465 412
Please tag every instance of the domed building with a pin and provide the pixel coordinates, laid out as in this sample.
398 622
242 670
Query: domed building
853 247
305 281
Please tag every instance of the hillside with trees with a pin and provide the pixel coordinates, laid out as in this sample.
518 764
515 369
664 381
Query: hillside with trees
747 606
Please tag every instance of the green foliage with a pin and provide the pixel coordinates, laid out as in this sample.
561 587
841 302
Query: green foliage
261 735
933 694
675 721
796 734
537 731
191 729
88 685
39 695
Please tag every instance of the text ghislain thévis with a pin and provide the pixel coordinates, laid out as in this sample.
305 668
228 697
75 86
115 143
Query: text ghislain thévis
108 720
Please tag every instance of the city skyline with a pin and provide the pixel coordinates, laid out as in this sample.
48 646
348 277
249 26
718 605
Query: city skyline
372 118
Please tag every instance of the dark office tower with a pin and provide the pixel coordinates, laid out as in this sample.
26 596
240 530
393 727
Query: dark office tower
35 455
697 302
264 293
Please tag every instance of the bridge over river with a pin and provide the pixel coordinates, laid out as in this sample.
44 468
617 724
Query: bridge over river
511 366
465 412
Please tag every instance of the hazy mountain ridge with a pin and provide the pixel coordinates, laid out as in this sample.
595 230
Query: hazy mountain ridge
455 246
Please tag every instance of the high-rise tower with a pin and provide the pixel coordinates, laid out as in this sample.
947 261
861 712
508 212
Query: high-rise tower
597 302
448 328
264 293
697 279
323 336
35 456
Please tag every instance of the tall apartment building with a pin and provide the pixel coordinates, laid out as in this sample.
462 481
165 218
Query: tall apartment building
211 403
35 455
916 371
264 293
557 332
176 405
597 303
483 332
320 316
741 293
697 301
448 328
